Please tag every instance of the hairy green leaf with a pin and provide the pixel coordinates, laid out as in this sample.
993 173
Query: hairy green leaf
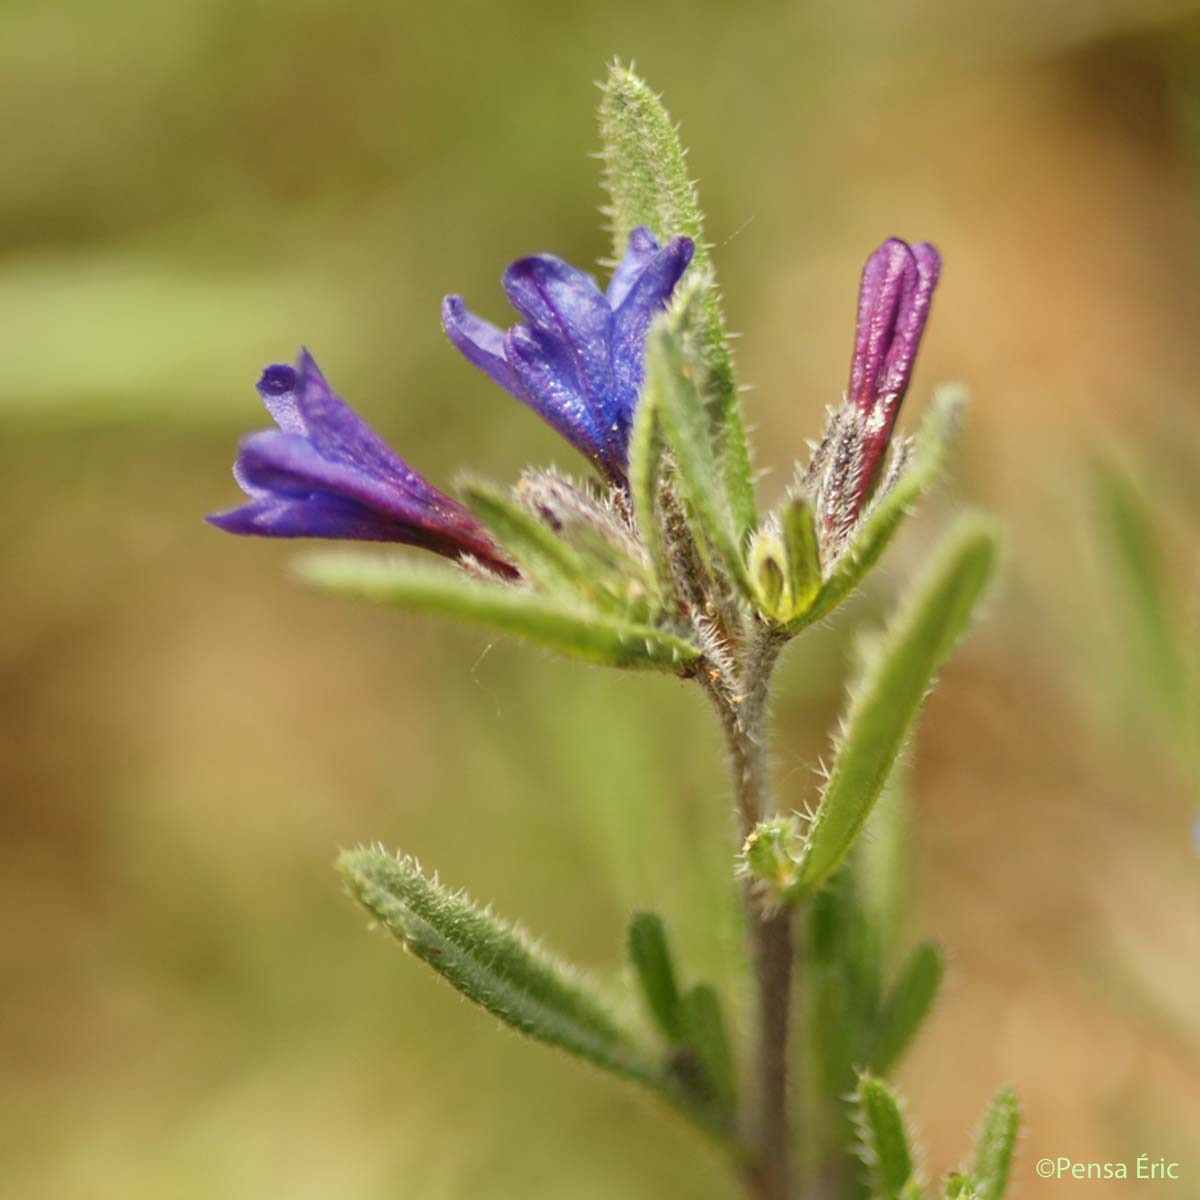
495 964
650 955
570 629
995 1145
906 1005
673 385
884 1141
885 705
646 448
887 512
648 183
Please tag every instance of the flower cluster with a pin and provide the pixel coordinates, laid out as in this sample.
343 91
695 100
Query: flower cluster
577 359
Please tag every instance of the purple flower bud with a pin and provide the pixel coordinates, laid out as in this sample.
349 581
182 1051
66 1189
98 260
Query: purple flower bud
893 306
325 473
577 360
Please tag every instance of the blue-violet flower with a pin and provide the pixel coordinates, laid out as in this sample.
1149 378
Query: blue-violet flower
325 473
577 360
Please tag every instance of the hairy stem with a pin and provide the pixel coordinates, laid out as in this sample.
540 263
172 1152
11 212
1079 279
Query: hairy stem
743 713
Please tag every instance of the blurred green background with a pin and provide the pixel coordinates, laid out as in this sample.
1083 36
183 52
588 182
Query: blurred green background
190 1006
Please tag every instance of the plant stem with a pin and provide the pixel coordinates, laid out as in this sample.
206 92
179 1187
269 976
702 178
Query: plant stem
744 717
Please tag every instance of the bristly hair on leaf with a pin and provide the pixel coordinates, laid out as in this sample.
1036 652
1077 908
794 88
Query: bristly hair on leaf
648 184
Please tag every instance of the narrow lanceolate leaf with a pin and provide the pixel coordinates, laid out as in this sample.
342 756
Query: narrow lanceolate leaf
704 1032
573 630
650 956
886 702
906 1005
494 964
646 448
886 514
995 1145
673 387
803 554
648 183
884 1143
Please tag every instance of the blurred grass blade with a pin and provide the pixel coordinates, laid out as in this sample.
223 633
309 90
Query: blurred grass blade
884 1146
884 706
494 964
906 1005
959 1187
885 516
648 183
803 553
995 1145
573 630
651 958
704 1032
1139 577
672 383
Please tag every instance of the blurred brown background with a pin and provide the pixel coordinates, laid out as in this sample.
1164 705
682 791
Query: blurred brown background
190 1007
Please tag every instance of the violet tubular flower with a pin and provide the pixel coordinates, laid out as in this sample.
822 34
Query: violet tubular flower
577 359
324 473
893 306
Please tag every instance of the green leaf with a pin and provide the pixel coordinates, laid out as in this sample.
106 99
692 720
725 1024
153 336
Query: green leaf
995 1145
803 554
887 512
673 385
884 1140
650 955
646 448
906 1005
494 964
648 183
884 707
704 1032
570 629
